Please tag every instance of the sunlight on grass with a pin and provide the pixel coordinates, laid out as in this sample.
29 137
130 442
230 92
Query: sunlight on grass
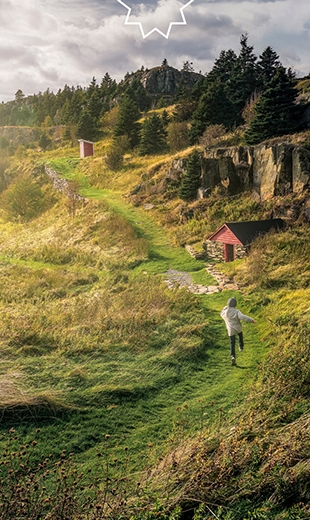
97 351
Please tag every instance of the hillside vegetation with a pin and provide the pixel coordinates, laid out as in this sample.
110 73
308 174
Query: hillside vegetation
115 370
117 397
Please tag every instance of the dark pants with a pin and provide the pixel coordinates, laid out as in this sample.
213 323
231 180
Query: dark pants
232 340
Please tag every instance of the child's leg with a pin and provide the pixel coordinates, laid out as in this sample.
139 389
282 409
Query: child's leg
241 344
232 340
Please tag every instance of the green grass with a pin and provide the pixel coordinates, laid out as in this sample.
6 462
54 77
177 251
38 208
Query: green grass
107 337
96 351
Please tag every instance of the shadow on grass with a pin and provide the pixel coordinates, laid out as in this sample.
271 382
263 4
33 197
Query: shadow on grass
246 367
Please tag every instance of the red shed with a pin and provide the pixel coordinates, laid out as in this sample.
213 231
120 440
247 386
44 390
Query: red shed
86 148
243 234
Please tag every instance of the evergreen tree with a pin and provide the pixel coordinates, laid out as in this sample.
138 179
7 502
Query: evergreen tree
275 112
214 108
187 66
92 87
212 92
267 65
127 121
46 106
87 128
153 136
139 95
184 107
198 89
182 92
191 179
165 118
223 67
95 105
19 97
108 85
76 105
243 80
108 88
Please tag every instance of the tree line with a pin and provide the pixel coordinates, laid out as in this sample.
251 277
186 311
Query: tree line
239 89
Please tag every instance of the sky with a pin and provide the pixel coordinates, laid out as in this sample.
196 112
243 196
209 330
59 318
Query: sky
49 43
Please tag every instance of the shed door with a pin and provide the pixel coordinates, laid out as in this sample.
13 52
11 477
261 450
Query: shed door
229 252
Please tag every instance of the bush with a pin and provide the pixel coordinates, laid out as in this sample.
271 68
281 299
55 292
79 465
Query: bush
178 136
44 141
212 135
24 199
114 157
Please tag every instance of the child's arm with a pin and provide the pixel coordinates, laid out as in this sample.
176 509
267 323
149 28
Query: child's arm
245 318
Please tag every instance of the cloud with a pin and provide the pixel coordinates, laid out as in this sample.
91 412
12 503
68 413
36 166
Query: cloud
161 19
50 43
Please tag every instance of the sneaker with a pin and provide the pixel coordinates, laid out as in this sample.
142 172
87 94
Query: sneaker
233 361
241 349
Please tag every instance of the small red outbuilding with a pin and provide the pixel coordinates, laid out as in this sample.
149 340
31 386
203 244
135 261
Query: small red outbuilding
86 148
242 234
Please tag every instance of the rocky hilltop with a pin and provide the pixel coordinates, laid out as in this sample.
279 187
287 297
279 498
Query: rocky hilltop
165 80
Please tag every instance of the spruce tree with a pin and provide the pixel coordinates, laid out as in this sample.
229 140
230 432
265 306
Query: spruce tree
243 80
214 108
191 179
267 65
139 95
223 67
127 121
153 136
87 128
275 112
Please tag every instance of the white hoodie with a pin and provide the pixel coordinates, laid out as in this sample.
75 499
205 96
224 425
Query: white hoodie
232 317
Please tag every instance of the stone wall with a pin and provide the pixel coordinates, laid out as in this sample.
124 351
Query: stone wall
215 250
66 187
266 169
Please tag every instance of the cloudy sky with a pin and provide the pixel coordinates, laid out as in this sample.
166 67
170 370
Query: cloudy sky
50 43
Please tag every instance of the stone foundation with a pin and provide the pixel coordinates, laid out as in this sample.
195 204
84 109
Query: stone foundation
215 250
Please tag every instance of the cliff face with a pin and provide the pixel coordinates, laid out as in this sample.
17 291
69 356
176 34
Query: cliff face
267 169
165 80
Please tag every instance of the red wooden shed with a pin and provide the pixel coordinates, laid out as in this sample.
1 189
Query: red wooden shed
242 233
86 148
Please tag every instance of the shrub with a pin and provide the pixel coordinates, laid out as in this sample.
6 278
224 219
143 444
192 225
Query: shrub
178 136
24 199
44 141
114 157
212 135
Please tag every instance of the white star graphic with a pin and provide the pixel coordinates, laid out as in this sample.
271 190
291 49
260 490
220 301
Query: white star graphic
155 29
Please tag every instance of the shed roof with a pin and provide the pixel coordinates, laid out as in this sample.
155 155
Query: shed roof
246 232
84 141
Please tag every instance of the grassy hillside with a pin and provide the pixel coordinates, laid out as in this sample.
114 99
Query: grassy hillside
116 393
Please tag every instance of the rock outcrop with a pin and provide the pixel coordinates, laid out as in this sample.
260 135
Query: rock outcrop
165 80
267 169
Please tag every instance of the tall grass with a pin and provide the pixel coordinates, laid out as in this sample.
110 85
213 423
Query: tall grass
134 380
